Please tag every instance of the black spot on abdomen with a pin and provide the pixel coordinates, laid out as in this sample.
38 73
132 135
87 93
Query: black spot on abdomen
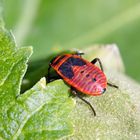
66 70
66 67
76 61
94 79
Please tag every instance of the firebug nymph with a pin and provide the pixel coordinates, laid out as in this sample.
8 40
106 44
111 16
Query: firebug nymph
81 75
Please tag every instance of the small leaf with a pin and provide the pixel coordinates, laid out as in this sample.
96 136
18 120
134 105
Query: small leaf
12 67
42 112
51 121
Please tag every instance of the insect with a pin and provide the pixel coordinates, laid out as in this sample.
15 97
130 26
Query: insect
81 75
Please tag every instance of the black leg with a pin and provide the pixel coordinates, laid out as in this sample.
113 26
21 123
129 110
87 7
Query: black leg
48 76
76 94
112 85
54 78
97 60
101 66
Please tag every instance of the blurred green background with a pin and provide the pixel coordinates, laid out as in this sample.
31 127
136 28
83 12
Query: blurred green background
53 25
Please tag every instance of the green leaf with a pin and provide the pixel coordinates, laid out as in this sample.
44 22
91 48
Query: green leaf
51 121
60 24
12 67
118 113
117 110
41 112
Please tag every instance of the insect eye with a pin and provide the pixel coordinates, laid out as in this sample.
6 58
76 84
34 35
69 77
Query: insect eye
94 79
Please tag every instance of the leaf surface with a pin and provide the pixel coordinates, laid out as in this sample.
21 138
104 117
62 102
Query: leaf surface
41 111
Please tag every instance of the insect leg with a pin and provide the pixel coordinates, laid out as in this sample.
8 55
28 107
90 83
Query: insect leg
48 76
76 94
112 85
99 61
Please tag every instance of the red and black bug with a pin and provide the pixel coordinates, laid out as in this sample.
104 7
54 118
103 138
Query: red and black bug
81 75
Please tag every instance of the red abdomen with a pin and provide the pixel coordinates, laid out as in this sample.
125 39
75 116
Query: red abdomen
80 74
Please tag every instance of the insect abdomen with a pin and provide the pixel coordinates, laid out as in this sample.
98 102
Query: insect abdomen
89 79
80 74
